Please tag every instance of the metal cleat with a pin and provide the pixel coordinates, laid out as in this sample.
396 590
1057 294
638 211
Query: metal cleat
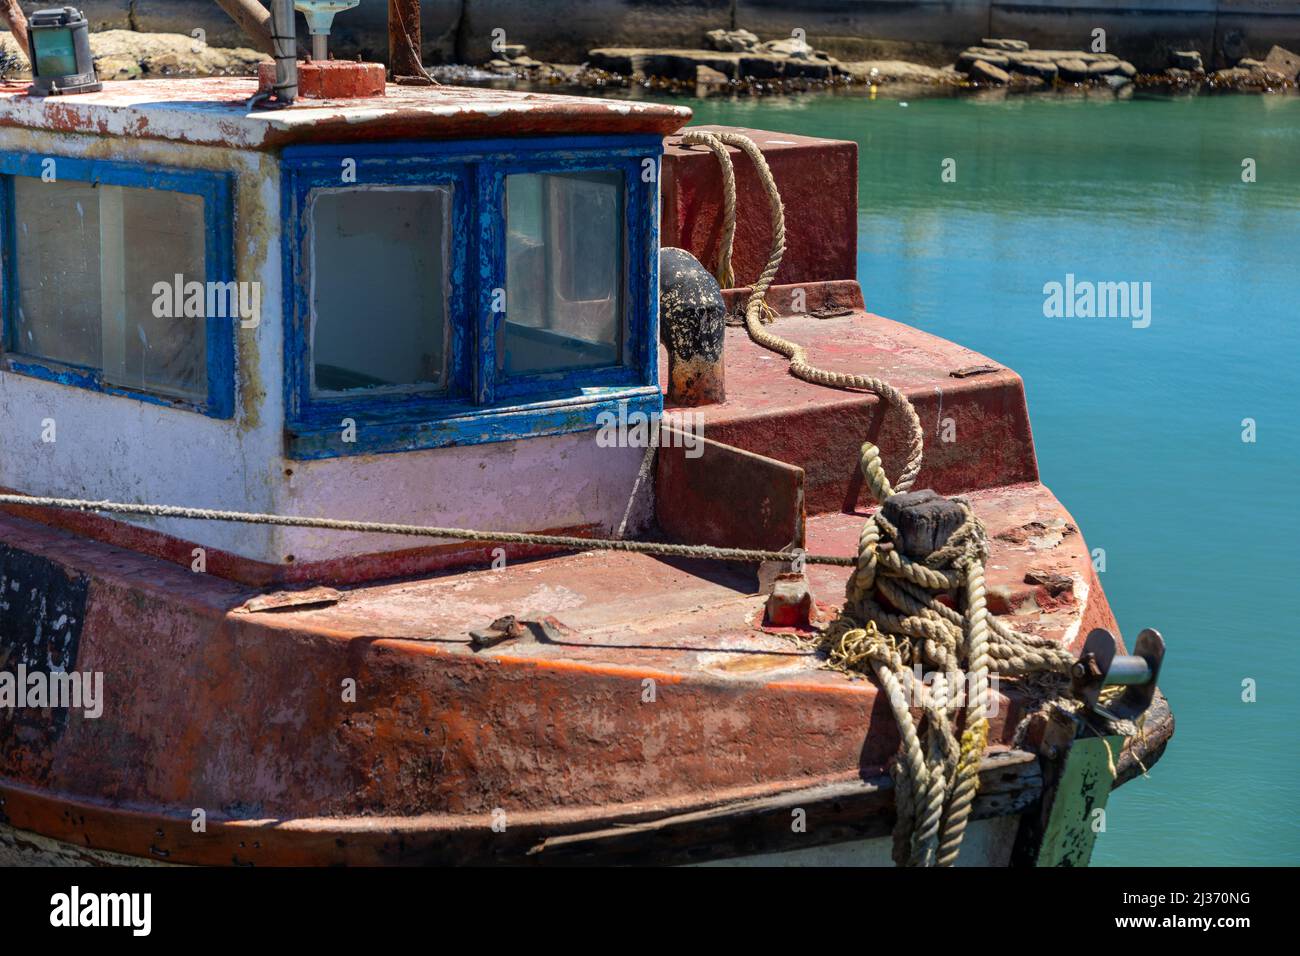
1099 667
791 602
510 628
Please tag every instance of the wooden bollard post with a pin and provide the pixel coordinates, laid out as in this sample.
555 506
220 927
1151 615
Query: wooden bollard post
925 521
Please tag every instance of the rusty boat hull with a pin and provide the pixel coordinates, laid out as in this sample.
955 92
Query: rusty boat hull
646 712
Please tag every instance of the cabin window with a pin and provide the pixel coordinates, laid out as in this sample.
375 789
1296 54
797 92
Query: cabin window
379 289
564 272
109 278
464 292
89 258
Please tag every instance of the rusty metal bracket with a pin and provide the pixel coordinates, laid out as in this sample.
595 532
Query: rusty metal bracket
1099 666
510 628
791 602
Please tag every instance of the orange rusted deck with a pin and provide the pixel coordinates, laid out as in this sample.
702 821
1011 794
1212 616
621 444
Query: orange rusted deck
242 714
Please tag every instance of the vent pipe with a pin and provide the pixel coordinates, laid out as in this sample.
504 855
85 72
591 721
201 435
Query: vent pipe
284 35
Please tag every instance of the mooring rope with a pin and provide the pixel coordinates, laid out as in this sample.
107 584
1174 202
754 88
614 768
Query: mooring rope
936 776
757 312
659 548
723 272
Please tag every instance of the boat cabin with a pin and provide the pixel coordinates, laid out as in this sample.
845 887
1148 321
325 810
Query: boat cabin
398 308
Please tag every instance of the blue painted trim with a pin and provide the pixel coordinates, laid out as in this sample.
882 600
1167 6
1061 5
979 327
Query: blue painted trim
491 268
217 191
481 406
473 426
303 185
640 255
472 150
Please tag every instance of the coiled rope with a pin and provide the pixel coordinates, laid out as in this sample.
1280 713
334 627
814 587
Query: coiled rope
936 776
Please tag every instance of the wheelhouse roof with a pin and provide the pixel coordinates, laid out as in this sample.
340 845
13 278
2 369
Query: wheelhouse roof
214 112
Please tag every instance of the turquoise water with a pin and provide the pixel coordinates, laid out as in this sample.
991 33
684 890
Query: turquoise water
1139 430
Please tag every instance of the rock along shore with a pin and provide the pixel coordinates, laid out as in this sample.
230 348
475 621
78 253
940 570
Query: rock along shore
731 62
737 61
128 55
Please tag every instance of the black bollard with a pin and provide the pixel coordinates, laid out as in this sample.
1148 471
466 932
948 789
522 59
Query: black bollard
925 521
692 324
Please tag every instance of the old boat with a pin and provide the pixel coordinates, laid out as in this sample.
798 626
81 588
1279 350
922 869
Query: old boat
427 307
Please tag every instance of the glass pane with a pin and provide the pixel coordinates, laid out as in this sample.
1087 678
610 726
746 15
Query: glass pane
155 295
564 272
91 261
57 246
56 52
379 288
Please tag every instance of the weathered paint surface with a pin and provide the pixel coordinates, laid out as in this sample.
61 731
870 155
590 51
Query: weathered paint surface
565 481
214 111
770 412
1081 795
696 500
42 612
330 79
114 447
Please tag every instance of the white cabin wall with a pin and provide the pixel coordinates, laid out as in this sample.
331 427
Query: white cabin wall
113 447
563 481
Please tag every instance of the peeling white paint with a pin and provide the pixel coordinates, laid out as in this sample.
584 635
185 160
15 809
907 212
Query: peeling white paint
214 111
1081 591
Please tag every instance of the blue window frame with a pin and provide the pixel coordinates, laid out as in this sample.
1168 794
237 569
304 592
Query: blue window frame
478 401
216 191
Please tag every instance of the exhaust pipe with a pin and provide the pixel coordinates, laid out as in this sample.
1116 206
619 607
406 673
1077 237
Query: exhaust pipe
284 37
404 40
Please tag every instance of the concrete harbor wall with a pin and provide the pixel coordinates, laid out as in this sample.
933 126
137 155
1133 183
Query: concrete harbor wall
928 30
